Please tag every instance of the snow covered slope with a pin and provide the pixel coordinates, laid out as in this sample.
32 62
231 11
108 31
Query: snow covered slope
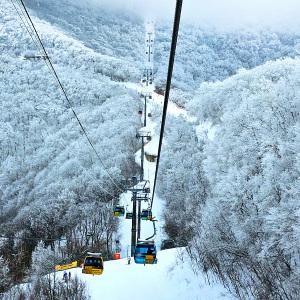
172 278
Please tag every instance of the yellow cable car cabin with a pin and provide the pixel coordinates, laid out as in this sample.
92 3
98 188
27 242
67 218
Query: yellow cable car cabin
93 264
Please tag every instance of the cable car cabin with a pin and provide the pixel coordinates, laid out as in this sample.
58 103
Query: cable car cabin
145 253
150 157
119 211
129 215
93 264
146 214
149 115
140 112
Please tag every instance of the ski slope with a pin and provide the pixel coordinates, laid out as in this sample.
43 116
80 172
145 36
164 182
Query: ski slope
153 125
149 171
155 106
170 279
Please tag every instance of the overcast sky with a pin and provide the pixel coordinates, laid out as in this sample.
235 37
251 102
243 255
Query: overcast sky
278 13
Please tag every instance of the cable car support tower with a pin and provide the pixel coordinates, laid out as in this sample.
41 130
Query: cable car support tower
141 188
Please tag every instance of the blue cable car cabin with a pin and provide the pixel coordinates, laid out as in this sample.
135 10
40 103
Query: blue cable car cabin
146 214
119 211
145 253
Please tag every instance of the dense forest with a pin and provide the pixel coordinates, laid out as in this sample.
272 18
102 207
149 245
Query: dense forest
229 173
52 185
237 178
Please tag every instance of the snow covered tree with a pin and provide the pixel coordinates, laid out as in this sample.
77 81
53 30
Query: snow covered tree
182 181
248 230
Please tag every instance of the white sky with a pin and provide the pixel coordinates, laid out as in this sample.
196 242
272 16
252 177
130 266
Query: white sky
278 13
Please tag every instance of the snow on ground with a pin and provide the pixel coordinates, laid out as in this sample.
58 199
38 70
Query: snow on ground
153 125
149 171
170 279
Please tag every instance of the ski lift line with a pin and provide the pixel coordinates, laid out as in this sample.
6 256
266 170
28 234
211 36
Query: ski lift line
29 30
66 96
27 26
25 22
103 189
168 86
